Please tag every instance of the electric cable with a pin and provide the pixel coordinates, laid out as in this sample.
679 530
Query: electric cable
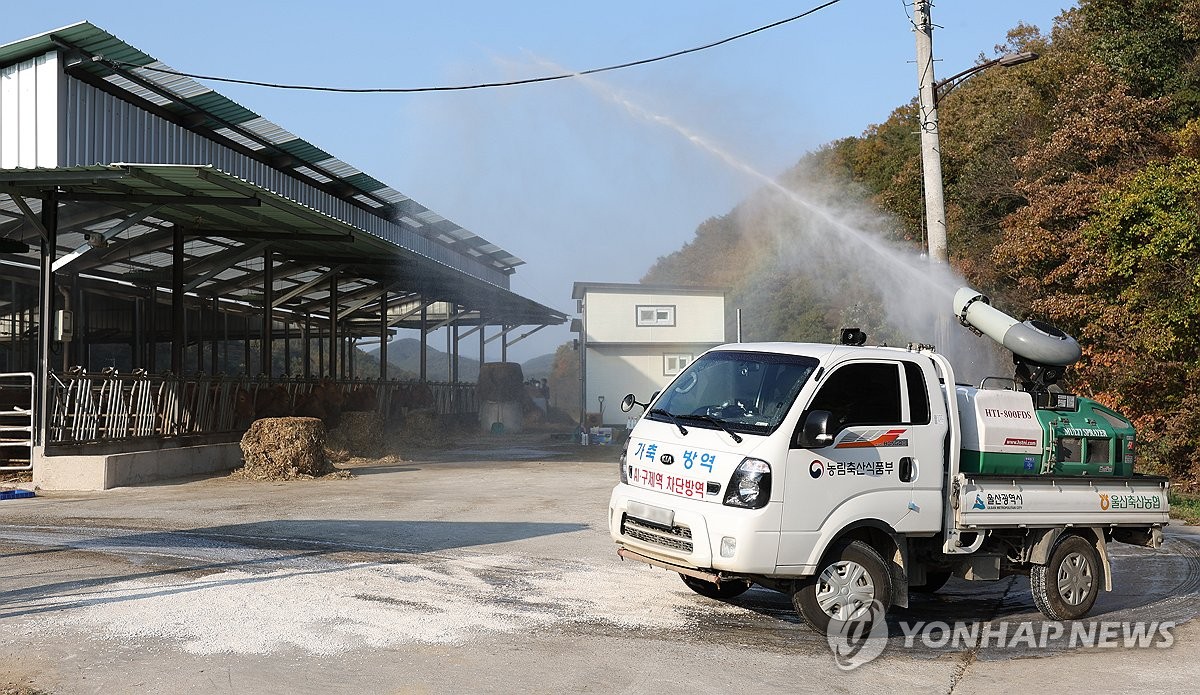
119 64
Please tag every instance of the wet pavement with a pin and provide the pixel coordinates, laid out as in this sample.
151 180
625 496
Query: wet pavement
469 573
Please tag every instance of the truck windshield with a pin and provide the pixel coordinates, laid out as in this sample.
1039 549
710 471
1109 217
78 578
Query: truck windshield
744 391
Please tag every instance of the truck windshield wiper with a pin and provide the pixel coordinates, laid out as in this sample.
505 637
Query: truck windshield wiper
674 420
715 421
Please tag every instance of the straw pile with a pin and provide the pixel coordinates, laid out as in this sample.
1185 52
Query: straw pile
501 382
285 448
359 433
422 429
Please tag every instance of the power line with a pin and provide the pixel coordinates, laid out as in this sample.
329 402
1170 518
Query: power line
460 88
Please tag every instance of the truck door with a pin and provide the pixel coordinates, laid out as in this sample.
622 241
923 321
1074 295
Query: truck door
883 443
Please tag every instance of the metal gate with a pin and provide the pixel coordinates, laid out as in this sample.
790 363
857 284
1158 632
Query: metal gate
16 421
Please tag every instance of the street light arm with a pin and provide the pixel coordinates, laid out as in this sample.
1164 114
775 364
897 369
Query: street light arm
1008 60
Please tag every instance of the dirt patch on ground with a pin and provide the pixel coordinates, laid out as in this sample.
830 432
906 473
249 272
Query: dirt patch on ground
15 684
11 479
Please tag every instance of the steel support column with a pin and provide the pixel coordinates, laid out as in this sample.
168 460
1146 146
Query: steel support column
49 225
307 345
178 318
424 337
267 338
139 332
215 315
152 324
333 332
383 335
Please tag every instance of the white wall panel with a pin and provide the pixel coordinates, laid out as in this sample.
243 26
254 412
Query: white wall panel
31 97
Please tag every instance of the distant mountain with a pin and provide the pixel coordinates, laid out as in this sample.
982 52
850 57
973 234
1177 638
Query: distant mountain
538 367
405 354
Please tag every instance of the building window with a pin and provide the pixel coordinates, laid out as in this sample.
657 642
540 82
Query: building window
656 315
674 364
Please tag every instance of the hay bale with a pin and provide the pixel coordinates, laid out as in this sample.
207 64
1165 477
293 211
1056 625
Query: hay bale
500 381
359 433
285 448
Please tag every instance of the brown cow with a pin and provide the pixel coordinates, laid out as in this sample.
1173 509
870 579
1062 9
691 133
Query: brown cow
272 401
361 399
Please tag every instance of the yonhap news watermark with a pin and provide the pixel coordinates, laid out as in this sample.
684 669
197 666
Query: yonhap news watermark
858 643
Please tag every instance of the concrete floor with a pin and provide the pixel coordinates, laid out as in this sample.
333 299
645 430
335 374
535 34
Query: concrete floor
461 573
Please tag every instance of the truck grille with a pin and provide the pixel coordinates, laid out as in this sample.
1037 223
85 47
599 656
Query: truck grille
678 538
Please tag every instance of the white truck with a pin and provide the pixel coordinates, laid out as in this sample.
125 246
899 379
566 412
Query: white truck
845 475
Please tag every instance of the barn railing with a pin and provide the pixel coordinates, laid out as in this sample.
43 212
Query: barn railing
110 406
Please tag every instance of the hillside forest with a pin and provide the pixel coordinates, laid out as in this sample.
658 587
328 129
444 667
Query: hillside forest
1072 195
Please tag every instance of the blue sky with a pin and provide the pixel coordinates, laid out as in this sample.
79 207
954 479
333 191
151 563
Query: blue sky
555 173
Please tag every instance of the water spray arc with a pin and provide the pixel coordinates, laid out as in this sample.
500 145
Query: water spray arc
915 291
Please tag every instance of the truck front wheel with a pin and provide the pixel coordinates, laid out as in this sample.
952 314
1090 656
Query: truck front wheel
851 577
1065 588
720 592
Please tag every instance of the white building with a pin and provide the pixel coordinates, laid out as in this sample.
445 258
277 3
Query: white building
636 338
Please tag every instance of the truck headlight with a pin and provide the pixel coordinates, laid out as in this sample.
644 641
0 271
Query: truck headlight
750 485
624 471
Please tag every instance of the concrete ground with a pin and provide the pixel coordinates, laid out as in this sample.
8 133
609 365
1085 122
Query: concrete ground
479 571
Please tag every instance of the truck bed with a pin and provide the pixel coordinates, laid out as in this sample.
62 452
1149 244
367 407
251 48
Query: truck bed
1006 501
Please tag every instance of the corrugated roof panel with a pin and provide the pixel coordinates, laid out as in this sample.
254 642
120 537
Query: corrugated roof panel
271 132
391 195
411 222
304 150
430 217
365 182
157 260
240 139
185 87
368 200
317 176
138 90
222 108
338 168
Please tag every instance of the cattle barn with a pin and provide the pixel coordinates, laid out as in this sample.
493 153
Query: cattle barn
169 257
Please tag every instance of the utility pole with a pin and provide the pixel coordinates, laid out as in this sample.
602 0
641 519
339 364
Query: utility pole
931 149
931 160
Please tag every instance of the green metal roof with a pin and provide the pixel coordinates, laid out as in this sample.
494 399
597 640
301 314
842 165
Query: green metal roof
93 50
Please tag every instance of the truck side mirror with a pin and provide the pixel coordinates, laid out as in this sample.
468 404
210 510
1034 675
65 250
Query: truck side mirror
630 400
815 433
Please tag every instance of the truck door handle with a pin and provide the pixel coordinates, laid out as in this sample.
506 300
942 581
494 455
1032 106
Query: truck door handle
908 469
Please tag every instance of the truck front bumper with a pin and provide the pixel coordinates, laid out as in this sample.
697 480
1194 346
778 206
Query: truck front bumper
702 535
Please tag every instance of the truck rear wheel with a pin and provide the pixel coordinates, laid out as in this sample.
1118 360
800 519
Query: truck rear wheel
1066 587
852 576
720 592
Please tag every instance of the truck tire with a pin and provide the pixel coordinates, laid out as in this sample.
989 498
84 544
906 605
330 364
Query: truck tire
1066 587
850 578
934 581
720 592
